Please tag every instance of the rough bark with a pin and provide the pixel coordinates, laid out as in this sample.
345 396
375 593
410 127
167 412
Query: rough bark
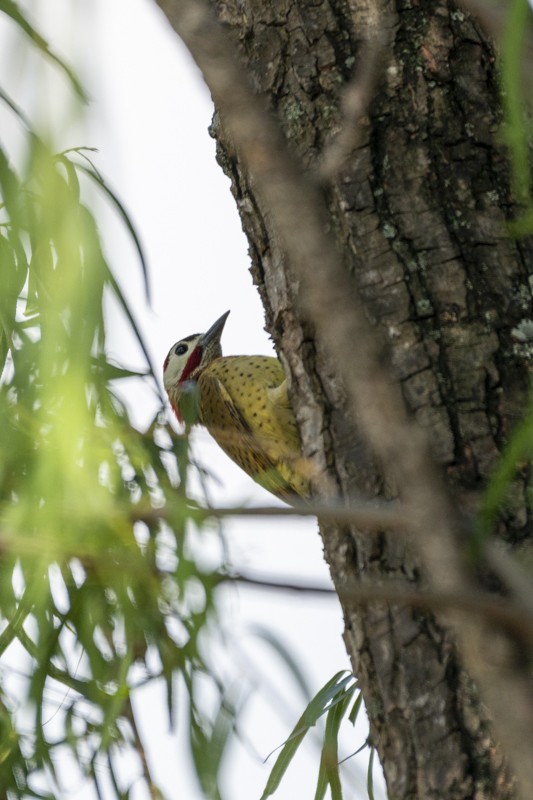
419 210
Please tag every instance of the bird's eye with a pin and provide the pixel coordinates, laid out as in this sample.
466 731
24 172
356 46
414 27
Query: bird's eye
181 349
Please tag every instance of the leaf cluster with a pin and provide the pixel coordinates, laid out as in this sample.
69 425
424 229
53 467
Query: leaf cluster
336 701
97 595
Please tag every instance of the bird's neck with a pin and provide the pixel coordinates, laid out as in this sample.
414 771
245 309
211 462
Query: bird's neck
183 395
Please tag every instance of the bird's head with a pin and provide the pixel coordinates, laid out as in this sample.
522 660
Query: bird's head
188 357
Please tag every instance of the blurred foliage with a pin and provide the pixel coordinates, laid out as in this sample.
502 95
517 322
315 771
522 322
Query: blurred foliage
98 595
517 128
100 582
499 500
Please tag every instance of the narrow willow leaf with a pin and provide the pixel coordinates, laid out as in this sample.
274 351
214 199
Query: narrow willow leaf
72 176
138 335
116 704
10 189
322 783
352 716
5 344
286 656
330 694
519 447
100 182
200 745
331 750
327 697
10 103
329 761
370 775
222 730
516 128
284 759
11 9
112 372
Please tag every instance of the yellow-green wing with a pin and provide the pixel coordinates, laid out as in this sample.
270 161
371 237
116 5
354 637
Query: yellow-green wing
245 407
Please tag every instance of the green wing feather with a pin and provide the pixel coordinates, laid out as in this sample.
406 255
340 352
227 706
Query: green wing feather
245 406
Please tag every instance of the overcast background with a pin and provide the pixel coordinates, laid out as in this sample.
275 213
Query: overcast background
148 117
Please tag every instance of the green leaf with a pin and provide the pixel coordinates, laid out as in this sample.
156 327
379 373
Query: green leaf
517 127
370 775
136 330
352 716
285 757
520 447
331 694
112 372
329 762
95 176
285 655
11 9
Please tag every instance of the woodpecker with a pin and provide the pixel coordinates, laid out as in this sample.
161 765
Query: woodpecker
243 403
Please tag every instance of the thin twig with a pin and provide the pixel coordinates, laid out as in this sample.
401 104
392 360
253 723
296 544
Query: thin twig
517 580
280 586
368 515
155 793
498 610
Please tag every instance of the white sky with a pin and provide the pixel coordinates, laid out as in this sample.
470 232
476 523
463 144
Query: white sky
148 118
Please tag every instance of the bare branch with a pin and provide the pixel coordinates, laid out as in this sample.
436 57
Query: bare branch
281 586
497 610
368 515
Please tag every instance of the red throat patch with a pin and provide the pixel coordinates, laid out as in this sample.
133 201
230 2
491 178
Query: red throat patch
192 363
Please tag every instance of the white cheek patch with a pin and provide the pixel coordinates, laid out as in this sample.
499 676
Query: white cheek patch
172 372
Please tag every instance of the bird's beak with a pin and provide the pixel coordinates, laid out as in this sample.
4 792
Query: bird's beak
215 331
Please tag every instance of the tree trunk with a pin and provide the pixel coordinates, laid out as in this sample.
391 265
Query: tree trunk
419 209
